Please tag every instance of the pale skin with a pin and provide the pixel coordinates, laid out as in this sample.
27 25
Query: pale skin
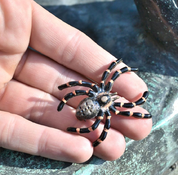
29 120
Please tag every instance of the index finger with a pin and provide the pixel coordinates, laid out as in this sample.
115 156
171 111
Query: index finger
73 49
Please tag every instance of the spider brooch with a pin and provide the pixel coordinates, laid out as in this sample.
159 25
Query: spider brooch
100 102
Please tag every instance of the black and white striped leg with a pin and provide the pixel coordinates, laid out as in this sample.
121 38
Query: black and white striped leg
108 71
130 113
109 85
105 130
79 83
90 93
133 104
99 118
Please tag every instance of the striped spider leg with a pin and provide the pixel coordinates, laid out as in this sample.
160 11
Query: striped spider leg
131 105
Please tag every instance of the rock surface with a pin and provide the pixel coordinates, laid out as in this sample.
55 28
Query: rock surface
116 26
160 20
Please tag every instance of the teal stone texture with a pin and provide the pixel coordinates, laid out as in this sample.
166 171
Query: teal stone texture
117 27
159 18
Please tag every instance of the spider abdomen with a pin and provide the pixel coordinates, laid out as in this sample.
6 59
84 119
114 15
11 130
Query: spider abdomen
88 108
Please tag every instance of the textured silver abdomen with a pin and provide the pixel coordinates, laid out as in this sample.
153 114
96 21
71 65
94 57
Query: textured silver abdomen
87 109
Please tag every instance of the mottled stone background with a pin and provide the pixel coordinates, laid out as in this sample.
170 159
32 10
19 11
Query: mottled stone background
116 26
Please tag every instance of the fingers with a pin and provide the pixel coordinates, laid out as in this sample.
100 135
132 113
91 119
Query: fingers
17 133
15 26
113 147
37 72
41 108
60 42
15 32
131 127
42 73
134 128
76 51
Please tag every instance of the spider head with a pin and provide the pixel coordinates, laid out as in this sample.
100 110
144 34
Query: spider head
104 99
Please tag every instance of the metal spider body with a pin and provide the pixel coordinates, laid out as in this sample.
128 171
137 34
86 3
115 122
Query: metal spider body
100 102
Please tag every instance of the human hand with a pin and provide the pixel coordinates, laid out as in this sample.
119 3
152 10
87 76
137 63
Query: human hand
29 120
